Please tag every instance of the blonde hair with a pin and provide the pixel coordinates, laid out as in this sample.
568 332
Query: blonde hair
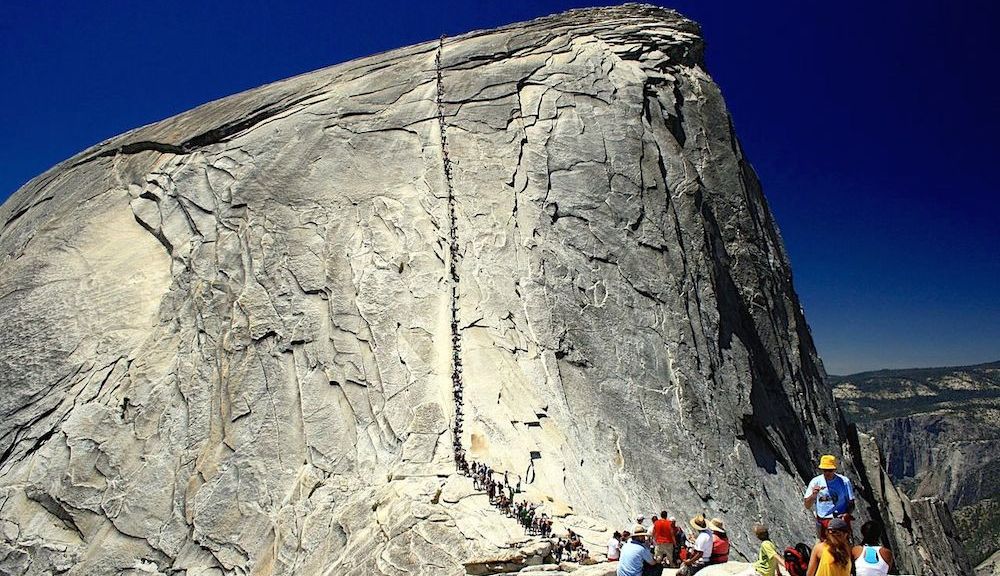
760 531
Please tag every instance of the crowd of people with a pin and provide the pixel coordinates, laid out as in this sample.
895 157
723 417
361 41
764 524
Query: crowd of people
830 496
570 549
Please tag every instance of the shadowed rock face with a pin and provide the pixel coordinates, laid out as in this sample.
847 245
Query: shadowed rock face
227 343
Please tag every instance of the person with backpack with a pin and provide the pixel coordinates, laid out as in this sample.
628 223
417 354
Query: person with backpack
679 538
797 559
871 558
829 496
720 542
832 556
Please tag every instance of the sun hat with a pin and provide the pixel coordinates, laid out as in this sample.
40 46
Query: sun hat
838 524
639 530
715 525
698 522
827 462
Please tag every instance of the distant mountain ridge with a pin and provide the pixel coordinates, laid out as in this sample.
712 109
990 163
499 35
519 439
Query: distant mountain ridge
937 429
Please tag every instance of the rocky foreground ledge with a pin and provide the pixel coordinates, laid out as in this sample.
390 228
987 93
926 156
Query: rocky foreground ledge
231 339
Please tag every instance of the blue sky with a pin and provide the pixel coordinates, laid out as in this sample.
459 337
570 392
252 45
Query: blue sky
873 126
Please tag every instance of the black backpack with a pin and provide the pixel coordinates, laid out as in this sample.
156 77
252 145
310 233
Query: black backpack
797 559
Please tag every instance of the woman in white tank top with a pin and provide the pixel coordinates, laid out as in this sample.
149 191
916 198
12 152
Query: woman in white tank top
871 559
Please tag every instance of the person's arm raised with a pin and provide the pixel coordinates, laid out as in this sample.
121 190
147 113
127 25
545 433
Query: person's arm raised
809 500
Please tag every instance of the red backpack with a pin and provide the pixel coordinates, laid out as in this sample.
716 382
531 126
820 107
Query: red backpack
797 559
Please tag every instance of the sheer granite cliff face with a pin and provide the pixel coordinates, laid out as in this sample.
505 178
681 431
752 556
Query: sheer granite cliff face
227 343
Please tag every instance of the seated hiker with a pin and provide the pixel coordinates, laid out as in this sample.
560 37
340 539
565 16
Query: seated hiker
720 542
701 550
767 556
663 539
635 559
871 558
679 539
829 495
614 546
832 556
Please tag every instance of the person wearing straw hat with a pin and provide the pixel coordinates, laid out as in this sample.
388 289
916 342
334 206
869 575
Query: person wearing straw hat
720 542
635 558
701 551
829 495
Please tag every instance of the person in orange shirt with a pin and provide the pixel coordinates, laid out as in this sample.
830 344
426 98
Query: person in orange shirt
663 539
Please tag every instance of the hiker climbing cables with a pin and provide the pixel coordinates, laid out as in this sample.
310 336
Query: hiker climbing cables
500 493
829 496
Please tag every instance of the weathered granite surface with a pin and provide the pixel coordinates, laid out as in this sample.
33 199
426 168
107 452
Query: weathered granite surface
225 343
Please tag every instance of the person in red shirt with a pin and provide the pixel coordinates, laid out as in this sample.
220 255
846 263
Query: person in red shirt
663 539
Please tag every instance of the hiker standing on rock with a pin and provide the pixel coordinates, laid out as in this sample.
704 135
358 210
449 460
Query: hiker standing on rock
829 496
663 539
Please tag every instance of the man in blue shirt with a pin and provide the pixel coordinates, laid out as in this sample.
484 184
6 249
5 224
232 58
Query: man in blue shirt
635 556
829 495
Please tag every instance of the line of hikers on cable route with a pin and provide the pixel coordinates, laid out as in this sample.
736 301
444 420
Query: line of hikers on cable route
646 551
502 492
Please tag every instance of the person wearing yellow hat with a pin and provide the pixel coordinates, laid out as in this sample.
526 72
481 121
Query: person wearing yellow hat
829 495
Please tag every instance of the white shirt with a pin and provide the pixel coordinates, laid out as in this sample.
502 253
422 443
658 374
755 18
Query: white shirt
866 568
704 543
614 548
